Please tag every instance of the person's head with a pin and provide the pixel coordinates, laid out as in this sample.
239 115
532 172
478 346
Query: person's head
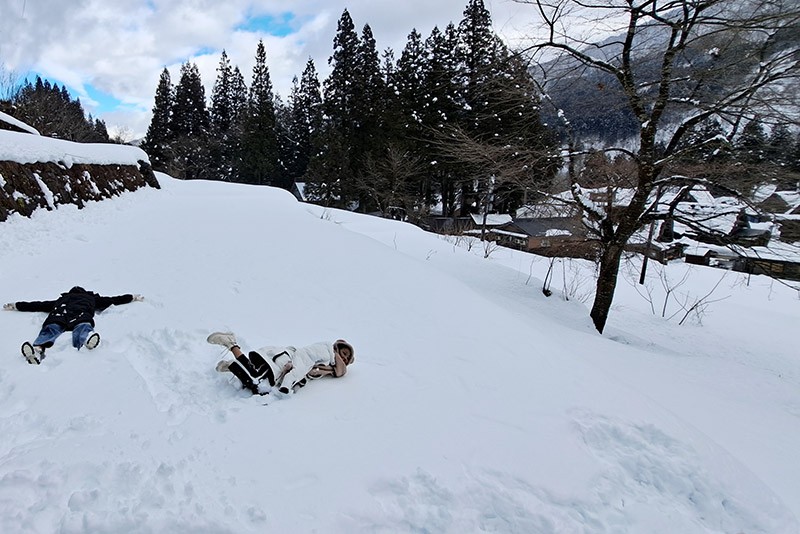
345 350
77 289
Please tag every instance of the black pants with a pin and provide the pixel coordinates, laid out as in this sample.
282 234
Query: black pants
251 369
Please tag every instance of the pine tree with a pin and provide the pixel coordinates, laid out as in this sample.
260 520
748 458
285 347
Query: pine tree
238 99
305 118
368 141
751 146
189 114
409 82
703 144
190 126
340 100
442 109
221 148
779 146
259 156
50 109
330 172
221 105
478 51
159 135
497 110
285 144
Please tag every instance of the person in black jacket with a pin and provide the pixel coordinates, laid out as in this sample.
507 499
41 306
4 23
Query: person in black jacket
72 311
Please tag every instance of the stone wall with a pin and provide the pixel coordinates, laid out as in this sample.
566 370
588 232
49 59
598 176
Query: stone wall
27 187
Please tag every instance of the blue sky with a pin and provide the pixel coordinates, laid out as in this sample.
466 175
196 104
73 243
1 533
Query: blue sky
277 25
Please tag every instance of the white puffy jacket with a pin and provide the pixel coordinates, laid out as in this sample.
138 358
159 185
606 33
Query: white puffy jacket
303 360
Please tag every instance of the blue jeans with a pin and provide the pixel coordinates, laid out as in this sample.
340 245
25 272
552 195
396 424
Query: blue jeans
50 332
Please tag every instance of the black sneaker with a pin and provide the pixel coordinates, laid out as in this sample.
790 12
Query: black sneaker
33 355
93 341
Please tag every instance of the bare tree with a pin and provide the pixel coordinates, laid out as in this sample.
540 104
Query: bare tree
676 64
389 180
10 83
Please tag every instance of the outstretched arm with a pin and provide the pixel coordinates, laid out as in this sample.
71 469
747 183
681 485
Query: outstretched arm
32 306
101 303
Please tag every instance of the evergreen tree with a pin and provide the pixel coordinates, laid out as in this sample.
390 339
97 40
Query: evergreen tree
101 131
259 156
189 113
330 171
285 142
368 140
159 135
305 120
238 99
50 109
780 146
190 127
409 83
491 135
221 105
794 164
405 99
751 147
441 109
477 55
221 147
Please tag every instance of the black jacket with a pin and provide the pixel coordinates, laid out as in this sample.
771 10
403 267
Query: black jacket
74 307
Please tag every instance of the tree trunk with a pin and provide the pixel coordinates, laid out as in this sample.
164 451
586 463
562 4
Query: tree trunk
606 284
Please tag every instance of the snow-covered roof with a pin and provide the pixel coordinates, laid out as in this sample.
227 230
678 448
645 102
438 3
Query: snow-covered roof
763 192
491 219
792 198
556 232
18 123
775 251
548 209
26 148
510 234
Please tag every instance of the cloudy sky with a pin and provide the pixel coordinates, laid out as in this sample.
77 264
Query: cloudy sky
110 53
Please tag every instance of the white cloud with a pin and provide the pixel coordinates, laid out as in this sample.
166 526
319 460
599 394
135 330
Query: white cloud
120 47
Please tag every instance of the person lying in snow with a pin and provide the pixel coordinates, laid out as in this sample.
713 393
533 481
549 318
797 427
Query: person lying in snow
73 310
288 368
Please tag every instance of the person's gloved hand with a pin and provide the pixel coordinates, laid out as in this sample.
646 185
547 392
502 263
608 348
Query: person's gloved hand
10 306
138 298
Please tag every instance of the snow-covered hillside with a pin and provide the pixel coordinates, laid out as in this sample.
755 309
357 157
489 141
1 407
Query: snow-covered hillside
475 403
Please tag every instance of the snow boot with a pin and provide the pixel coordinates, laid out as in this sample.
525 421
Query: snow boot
32 354
226 339
93 341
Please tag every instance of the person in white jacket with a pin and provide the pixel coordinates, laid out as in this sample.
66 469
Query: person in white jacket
287 368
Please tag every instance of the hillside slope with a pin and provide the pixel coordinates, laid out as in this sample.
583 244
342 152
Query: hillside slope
475 403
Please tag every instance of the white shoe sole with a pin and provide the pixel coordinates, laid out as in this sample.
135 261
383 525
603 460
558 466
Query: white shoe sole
93 341
30 354
225 339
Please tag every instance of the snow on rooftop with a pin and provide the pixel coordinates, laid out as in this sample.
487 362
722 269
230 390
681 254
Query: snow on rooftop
18 123
26 148
491 219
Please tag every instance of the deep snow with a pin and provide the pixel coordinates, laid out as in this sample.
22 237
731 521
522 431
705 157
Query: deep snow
475 403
